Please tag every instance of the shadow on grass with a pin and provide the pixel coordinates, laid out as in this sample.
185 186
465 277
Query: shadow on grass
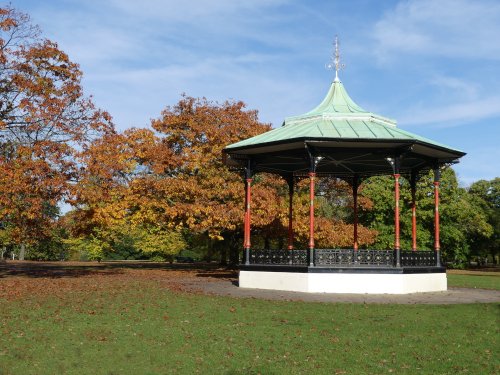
219 274
78 269
51 270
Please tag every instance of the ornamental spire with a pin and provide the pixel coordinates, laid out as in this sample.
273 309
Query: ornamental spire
335 62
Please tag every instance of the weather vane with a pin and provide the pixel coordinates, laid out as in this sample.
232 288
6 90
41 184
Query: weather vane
335 63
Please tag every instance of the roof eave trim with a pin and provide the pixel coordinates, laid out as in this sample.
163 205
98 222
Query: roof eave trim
458 153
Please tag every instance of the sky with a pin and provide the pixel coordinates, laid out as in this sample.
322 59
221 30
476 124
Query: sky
431 65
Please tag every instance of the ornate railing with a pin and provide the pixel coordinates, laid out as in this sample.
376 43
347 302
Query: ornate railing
283 257
349 257
343 258
418 258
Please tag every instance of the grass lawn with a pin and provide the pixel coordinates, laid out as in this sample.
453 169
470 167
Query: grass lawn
474 279
128 321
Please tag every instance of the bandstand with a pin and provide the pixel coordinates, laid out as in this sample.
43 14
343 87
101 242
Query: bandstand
339 139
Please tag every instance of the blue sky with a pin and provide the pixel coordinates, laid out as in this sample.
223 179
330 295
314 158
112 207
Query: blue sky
431 65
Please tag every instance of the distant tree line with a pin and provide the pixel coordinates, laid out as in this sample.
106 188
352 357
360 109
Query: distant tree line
156 192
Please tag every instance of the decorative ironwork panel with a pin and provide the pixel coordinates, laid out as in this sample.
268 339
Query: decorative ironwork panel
278 257
349 257
299 257
375 258
418 258
333 257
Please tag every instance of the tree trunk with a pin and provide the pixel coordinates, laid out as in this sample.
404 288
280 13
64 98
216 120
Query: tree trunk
234 251
22 252
267 243
4 250
210 251
223 254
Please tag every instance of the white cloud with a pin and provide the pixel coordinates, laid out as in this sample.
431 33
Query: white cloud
225 77
455 87
193 11
157 30
450 28
139 56
454 114
442 53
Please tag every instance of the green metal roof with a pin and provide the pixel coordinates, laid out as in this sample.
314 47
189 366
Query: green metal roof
347 139
337 117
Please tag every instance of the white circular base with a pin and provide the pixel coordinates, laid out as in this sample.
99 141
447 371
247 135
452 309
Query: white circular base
358 283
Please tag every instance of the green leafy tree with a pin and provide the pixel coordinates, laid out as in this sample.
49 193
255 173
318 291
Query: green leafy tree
160 244
486 195
50 247
461 219
6 239
94 246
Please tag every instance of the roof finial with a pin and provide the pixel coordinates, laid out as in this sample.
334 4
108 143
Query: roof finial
336 61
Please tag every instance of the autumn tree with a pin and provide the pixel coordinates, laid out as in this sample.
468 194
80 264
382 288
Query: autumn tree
156 184
110 196
333 223
153 187
193 189
44 120
189 186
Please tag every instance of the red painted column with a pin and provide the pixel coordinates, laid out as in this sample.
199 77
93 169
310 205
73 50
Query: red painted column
248 199
245 219
312 175
396 212
290 214
437 246
413 219
355 203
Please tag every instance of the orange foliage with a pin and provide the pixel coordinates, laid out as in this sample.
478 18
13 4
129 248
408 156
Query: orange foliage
44 119
329 231
193 188
175 179
55 145
172 178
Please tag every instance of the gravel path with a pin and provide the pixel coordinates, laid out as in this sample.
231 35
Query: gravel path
228 287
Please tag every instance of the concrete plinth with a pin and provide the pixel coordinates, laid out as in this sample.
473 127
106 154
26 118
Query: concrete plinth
340 282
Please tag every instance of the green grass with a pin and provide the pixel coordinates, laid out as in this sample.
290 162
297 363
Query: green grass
141 328
471 280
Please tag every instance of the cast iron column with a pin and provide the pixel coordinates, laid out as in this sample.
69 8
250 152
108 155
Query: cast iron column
311 218
397 246
395 164
355 184
290 213
437 247
248 200
413 184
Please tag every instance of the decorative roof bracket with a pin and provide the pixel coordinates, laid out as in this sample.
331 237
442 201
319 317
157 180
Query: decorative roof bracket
313 159
250 168
395 163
